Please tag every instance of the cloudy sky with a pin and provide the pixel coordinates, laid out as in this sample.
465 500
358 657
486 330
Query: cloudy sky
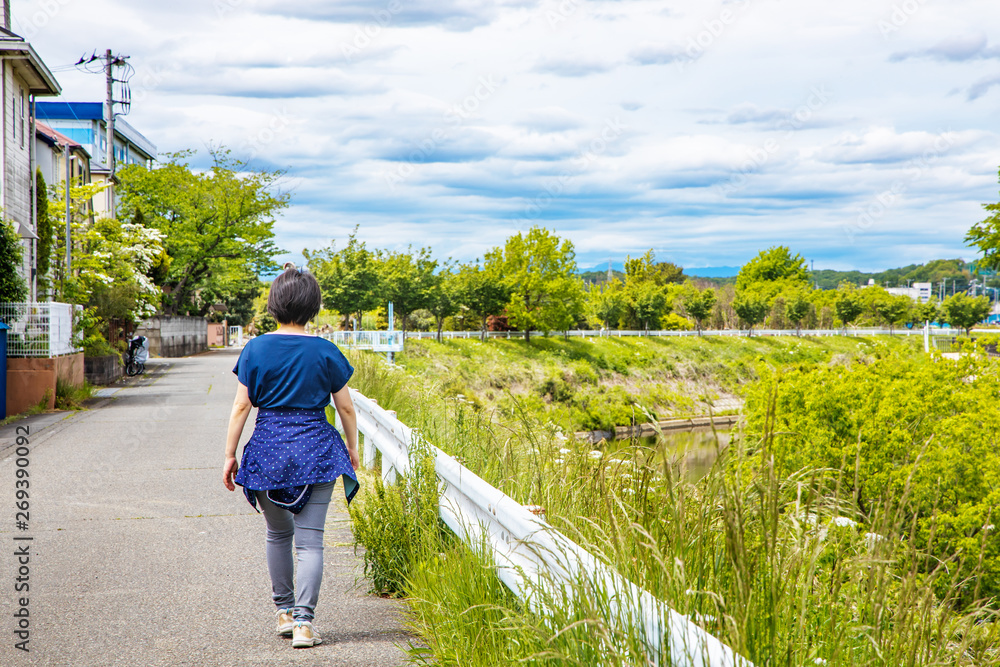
861 133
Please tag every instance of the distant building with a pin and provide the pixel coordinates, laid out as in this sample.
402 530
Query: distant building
919 292
83 123
25 78
51 149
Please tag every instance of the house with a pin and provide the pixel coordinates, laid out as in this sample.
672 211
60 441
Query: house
83 123
51 148
25 78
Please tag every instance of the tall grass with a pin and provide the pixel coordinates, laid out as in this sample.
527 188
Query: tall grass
784 569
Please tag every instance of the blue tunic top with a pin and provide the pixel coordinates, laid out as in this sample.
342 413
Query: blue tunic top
293 446
290 371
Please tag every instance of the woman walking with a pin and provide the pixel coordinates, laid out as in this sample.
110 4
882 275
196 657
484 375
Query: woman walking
294 457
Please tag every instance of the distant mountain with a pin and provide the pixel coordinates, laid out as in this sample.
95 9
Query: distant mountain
713 271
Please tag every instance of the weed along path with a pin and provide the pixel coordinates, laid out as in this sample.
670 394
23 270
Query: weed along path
139 556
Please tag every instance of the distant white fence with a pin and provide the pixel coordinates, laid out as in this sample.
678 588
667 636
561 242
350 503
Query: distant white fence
377 341
528 551
619 333
40 329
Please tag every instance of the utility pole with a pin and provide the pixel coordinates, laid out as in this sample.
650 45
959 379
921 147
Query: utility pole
109 116
69 212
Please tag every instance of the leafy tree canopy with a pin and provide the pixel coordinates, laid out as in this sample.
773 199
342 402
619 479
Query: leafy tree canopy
540 272
407 280
773 271
214 223
985 235
349 277
964 311
482 289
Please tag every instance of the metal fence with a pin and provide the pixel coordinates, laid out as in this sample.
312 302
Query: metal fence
377 341
529 553
619 333
41 329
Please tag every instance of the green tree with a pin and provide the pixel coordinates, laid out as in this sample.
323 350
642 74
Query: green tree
963 311
540 271
236 292
646 294
985 235
482 290
699 304
773 271
214 222
893 309
751 307
927 312
444 297
13 287
608 302
406 279
848 305
349 277
45 231
797 309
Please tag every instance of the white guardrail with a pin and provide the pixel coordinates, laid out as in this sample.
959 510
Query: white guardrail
529 552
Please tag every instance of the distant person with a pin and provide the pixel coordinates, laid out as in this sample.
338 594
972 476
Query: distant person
294 457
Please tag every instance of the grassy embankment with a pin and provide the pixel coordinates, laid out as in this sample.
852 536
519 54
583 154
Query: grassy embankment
789 566
599 383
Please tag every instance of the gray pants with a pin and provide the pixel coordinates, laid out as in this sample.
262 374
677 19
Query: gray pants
306 528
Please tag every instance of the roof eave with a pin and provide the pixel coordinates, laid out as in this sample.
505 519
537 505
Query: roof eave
43 83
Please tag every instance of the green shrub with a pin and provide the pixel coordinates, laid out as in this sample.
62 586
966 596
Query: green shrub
71 397
924 429
396 523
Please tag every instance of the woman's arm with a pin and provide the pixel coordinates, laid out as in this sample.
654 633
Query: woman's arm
345 408
237 420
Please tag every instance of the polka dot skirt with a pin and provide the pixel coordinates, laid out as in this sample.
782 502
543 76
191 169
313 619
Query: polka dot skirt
293 447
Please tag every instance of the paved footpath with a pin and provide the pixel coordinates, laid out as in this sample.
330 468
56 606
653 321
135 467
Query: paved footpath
140 556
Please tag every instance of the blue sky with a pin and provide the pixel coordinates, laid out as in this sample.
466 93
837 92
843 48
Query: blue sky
861 133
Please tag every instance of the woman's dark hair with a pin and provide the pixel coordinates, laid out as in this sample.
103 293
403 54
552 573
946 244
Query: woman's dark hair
295 297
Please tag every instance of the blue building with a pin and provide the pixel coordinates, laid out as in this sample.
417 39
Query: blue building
83 122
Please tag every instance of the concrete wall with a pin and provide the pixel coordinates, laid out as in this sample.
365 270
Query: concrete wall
29 379
175 336
102 370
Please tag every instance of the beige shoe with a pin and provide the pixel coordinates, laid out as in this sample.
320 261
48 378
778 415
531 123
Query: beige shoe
285 622
304 636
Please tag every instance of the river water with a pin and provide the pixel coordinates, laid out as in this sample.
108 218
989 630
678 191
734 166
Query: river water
692 450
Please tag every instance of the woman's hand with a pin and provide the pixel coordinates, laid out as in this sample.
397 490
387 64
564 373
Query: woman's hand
229 472
355 459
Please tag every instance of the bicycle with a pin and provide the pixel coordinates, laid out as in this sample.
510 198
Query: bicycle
135 357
